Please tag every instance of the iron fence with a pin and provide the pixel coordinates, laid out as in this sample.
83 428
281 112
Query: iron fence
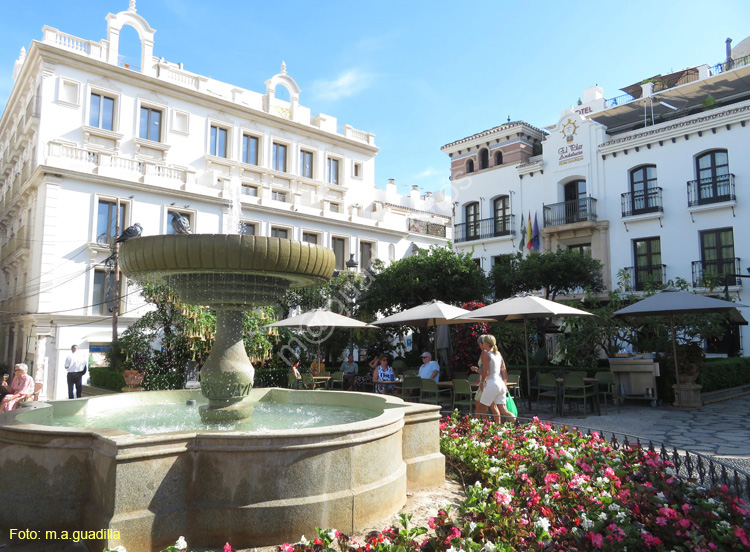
569 212
716 270
642 202
714 189
484 228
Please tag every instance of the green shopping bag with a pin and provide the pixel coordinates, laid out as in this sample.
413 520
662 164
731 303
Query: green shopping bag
510 404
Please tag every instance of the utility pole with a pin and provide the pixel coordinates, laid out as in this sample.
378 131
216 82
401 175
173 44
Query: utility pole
116 279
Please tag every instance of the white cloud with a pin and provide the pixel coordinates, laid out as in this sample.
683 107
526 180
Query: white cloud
346 84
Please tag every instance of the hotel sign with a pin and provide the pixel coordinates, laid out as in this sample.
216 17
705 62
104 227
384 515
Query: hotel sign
572 151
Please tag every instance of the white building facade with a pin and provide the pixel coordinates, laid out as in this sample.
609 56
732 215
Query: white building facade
83 133
651 183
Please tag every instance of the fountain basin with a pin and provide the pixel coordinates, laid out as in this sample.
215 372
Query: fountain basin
248 487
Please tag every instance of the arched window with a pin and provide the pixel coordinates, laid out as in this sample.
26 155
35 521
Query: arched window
498 158
484 159
501 215
644 195
471 216
714 181
470 166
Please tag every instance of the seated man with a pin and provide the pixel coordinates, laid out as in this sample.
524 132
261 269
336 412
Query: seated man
429 369
317 366
350 370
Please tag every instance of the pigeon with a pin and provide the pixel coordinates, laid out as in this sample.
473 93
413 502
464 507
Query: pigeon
130 232
180 224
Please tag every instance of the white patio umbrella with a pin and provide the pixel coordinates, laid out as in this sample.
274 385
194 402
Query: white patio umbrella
432 313
319 318
671 302
523 307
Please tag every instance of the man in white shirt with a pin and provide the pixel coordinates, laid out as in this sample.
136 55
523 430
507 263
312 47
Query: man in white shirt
429 369
76 366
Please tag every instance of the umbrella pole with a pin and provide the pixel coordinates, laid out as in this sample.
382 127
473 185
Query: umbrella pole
676 364
528 372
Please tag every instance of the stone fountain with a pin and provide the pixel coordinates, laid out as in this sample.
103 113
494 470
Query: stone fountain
230 273
255 487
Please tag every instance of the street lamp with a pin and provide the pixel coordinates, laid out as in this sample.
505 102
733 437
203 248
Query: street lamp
351 267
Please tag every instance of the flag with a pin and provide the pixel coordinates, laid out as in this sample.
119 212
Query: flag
535 236
528 234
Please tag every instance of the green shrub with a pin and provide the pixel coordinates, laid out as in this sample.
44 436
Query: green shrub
107 378
270 377
724 373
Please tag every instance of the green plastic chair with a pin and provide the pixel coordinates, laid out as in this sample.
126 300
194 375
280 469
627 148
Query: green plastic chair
607 389
291 381
337 379
307 381
410 388
575 388
429 392
547 387
463 395
515 390
473 378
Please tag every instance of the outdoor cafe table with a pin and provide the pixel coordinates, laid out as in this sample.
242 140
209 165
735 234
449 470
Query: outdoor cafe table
586 381
396 383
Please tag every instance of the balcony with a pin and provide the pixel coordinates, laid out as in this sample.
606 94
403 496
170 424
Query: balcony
643 276
641 203
707 191
484 228
570 212
712 273
429 228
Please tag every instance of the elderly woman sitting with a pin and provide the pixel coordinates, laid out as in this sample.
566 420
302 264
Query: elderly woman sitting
22 385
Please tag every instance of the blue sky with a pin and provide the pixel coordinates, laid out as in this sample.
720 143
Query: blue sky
416 74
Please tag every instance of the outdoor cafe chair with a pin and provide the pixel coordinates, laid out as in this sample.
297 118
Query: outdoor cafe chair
462 395
515 390
546 387
307 381
473 378
337 378
429 392
411 373
575 388
607 389
291 381
410 388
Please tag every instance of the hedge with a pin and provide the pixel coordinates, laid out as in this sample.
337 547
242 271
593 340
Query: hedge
106 377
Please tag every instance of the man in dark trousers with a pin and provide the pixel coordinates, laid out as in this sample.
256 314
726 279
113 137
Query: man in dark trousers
75 364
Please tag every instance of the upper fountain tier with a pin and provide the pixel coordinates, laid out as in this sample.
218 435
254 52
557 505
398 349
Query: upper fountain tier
226 271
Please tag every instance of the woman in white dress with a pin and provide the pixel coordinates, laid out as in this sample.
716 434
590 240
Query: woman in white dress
494 390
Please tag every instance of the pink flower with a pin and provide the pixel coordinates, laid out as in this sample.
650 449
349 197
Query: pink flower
596 539
286 547
661 521
739 532
227 547
684 523
431 522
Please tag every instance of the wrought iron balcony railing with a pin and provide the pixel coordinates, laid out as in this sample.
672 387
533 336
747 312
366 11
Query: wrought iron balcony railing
641 276
484 228
640 203
712 273
706 191
569 212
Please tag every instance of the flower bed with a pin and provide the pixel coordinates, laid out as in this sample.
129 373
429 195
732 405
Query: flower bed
546 489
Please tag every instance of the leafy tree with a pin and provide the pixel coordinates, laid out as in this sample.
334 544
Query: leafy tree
559 272
464 339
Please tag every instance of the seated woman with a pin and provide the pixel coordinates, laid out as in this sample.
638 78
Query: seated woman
22 385
383 372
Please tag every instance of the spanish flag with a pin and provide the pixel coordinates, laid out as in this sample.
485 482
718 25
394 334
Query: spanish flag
529 245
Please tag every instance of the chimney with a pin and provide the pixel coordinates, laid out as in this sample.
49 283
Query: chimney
390 191
729 50
414 197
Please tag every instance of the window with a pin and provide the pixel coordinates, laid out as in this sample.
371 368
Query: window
643 193
103 301
484 158
471 216
365 255
339 250
306 164
249 190
279 157
333 171
247 229
498 158
282 233
102 112
335 207
249 149
713 177
310 238
501 208
357 170
106 220
218 146
581 248
470 166
717 253
150 128
576 206
278 196
188 216
647 258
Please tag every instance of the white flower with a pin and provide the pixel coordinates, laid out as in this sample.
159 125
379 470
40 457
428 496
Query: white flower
119 548
303 541
332 532
181 543
543 524
587 523
489 547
